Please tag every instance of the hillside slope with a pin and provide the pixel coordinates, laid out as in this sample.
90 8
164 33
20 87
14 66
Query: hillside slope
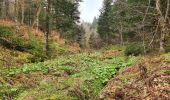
86 76
28 44
147 80
74 77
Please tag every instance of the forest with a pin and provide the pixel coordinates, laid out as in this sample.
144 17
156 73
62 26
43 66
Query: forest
48 53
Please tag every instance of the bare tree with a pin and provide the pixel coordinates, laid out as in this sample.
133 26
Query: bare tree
22 4
162 20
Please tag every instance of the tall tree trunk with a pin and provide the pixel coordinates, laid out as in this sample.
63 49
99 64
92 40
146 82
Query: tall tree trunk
36 17
29 15
16 16
6 9
16 11
2 9
47 32
22 11
162 20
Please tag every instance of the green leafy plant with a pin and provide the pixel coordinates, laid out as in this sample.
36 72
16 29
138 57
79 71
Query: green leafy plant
86 69
108 70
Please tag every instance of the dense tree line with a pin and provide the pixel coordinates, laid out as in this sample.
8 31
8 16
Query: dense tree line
142 21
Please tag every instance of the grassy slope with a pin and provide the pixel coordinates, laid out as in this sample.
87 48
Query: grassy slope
78 76
25 45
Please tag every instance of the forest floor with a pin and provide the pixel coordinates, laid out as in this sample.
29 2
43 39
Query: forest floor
77 76
103 74
73 74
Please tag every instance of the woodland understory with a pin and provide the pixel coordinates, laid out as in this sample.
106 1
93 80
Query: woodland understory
47 53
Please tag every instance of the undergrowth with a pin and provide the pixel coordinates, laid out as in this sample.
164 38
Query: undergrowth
79 76
28 42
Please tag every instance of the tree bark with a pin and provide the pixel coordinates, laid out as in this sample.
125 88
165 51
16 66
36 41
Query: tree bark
162 49
6 9
36 17
3 9
16 16
46 34
121 34
22 11
162 20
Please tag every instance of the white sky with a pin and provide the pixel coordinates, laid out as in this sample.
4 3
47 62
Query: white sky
89 9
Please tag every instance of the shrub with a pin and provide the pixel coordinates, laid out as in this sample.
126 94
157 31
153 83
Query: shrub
167 46
134 49
167 49
9 39
5 31
129 34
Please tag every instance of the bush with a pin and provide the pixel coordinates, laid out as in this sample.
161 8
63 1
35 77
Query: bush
167 47
6 31
134 49
129 34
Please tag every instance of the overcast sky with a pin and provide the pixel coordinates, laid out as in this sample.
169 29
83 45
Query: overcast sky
89 9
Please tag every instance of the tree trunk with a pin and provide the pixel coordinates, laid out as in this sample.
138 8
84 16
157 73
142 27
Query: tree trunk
16 11
47 27
121 34
46 43
162 49
16 16
36 18
37 24
6 9
3 9
162 20
22 12
29 15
